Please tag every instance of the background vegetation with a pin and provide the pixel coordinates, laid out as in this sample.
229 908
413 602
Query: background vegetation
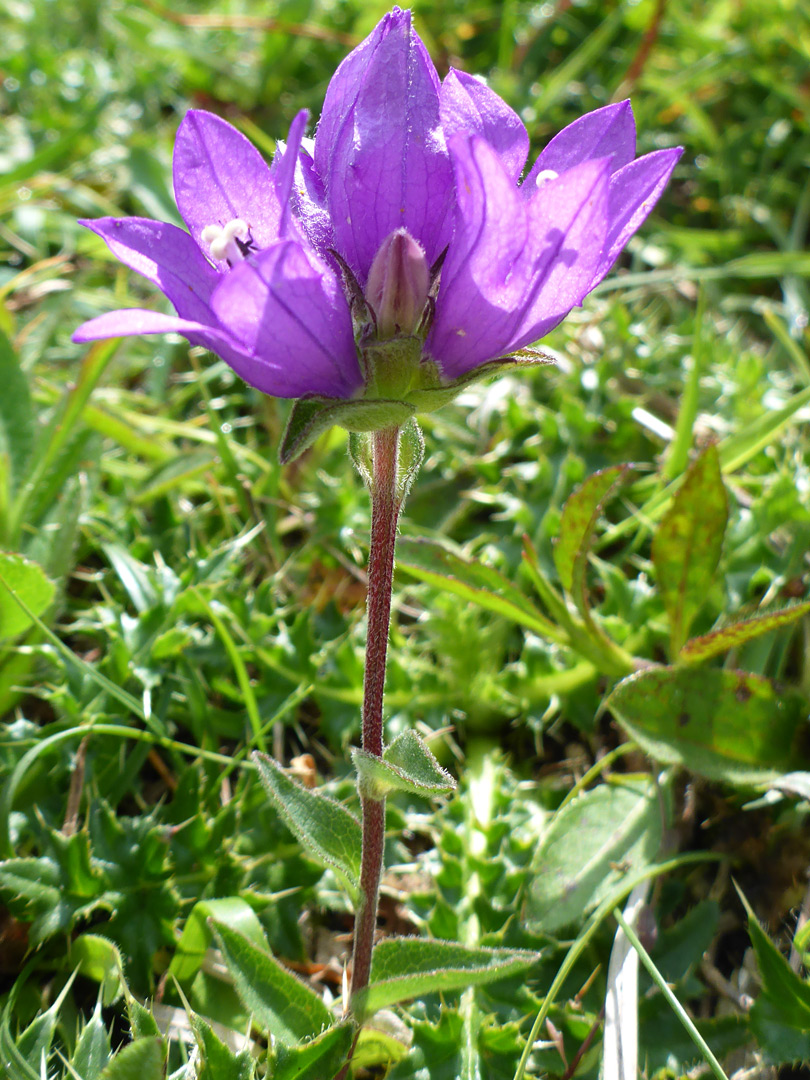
205 601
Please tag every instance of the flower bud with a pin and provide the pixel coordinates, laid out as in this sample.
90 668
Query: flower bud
398 284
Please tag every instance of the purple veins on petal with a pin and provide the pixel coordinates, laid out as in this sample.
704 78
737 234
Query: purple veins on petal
166 256
609 132
286 308
380 150
468 106
219 176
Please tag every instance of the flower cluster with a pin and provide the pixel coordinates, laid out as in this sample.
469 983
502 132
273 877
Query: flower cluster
398 253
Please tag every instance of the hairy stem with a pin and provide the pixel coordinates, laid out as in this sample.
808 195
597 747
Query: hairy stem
385 506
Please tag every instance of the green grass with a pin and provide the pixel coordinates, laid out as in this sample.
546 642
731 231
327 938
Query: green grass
208 601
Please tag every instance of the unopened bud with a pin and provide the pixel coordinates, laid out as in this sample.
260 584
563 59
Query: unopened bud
398 284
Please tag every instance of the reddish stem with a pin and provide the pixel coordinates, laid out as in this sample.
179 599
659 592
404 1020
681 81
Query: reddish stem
385 507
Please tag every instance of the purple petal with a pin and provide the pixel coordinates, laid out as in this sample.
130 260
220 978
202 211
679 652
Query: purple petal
609 132
570 221
484 276
634 191
135 321
380 150
219 176
165 255
468 106
309 199
515 267
287 308
284 173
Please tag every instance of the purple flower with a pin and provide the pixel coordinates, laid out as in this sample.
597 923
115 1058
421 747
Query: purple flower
399 253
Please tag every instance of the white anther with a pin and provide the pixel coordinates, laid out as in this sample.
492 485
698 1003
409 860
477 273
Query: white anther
222 240
544 176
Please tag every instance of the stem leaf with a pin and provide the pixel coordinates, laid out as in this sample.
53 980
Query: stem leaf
406 765
326 829
404 968
279 1001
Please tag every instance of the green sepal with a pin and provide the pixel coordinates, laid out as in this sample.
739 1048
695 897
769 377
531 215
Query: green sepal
325 828
432 394
311 416
393 365
406 765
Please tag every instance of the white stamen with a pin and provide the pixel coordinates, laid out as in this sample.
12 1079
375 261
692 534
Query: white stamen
544 176
222 240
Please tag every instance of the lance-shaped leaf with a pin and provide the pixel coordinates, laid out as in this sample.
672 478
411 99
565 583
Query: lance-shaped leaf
318 1058
310 417
406 765
19 577
780 1017
577 526
737 634
571 550
217 1061
325 828
279 1002
472 581
590 845
727 725
687 544
196 937
403 968
141 1060
93 1049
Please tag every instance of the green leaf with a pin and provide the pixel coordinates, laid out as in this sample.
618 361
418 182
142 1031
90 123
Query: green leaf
19 577
316 1059
688 542
310 417
196 937
217 1061
781 1015
34 1043
93 1050
571 551
325 828
97 958
403 968
577 526
280 1002
591 844
141 1060
52 891
406 765
474 582
17 429
737 634
727 725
